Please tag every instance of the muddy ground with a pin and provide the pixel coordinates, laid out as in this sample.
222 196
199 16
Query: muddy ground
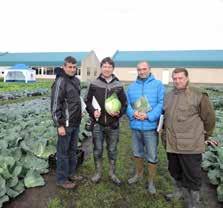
41 196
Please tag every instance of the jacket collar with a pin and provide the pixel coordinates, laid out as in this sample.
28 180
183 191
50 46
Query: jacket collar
146 80
185 90
63 74
104 80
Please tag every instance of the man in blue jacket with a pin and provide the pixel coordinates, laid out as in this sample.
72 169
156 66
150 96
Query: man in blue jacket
144 120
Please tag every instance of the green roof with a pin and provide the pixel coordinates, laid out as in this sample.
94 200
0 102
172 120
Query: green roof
165 59
39 59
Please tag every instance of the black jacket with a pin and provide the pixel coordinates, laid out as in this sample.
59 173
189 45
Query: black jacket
65 101
100 89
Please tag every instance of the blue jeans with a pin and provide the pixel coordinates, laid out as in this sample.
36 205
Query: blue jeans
67 154
145 145
111 136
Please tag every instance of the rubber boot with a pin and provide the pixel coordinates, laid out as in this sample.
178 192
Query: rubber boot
151 176
98 171
187 198
139 163
195 198
112 175
177 191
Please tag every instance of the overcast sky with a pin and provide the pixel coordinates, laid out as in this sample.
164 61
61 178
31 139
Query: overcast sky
108 25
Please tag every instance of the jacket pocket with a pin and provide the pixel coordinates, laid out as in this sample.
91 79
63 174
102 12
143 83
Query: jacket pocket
186 141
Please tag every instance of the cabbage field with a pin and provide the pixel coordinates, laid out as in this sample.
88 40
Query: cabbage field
213 157
28 138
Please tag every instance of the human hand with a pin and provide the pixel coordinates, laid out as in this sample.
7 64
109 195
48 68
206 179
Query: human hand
211 142
143 116
114 114
97 114
140 115
137 115
61 131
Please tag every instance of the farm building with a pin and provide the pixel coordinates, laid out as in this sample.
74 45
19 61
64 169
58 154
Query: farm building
204 66
45 63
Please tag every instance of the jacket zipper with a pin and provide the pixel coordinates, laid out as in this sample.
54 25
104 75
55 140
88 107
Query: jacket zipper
106 93
143 95
67 113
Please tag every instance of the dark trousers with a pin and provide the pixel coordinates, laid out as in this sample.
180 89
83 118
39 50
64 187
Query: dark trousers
111 137
67 154
186 168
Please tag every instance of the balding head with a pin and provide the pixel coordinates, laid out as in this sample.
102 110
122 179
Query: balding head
143 69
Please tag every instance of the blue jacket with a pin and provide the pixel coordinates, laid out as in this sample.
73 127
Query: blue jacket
154 91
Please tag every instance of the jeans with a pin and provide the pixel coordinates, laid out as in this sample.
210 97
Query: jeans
67 154
145 145
111 136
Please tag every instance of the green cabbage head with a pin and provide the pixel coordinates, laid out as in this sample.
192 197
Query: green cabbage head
142 105
112 104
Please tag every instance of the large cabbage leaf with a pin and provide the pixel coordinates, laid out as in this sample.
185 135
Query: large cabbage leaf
12 193
214 176
2 187
30 161
6 163
12 182
3 199
33 179
19 187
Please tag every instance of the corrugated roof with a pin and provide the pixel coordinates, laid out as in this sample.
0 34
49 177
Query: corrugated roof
39 59
190 58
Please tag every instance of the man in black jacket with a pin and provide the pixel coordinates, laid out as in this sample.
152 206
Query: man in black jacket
66 113
106 125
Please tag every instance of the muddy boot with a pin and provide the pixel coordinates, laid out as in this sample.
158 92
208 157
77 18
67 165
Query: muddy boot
98 167
177 191
139 170
195 198
187 198
67 185
112 175
151 176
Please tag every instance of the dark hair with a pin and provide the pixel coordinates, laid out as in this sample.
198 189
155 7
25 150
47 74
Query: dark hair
70 59
107 60
178 70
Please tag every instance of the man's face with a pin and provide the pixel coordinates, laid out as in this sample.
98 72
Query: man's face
143 70
180 80
107 70
70 69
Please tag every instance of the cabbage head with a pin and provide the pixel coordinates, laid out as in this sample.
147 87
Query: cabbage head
142 105
112 104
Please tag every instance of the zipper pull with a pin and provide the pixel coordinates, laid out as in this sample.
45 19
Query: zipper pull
67 123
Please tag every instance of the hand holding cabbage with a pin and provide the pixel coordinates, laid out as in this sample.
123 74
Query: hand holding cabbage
113 105
141 107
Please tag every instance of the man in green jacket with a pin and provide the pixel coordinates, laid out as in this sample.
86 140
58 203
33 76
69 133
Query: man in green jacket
189 121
